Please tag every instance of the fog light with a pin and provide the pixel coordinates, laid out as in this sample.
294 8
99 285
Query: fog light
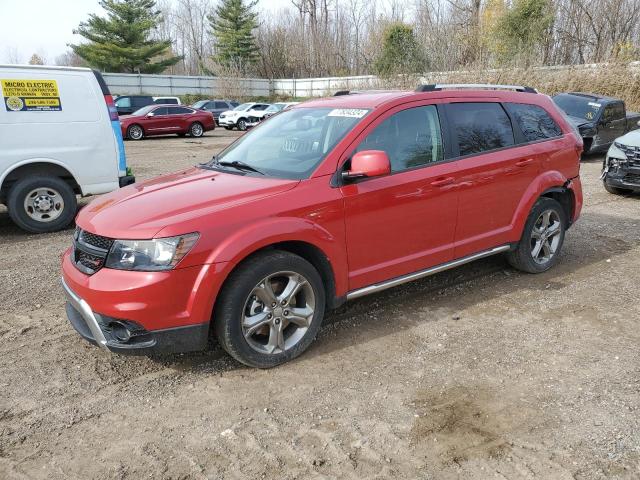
120 332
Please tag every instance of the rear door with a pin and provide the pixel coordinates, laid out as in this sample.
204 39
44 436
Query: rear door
613 123
405 221
495 169
180 120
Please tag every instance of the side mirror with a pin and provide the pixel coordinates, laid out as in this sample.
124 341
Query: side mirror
638 123
151 114
367 164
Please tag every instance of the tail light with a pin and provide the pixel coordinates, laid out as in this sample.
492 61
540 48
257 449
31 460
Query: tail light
111 106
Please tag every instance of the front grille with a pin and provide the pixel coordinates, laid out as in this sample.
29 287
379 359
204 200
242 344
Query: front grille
90 251
94 240
632 154
632 178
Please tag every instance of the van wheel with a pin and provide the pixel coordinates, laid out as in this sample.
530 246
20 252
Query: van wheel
542 239
270 309
196 129
135 132
242 124
42 204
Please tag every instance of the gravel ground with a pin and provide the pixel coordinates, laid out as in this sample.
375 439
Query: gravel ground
479 372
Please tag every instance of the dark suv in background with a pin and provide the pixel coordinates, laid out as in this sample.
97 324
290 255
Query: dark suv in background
215 106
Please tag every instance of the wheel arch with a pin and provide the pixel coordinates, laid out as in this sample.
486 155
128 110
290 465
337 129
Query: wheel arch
46 167
550 184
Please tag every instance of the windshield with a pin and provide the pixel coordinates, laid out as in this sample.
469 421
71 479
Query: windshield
200 104
577 106
243 107
293 143
144 110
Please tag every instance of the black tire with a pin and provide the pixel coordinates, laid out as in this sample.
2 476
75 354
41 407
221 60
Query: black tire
522 257
615 190
242 125
181 135
236 293
196 130
59 218
227 127
132 132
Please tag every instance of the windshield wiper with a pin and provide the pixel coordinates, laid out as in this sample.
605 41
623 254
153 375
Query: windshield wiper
240 166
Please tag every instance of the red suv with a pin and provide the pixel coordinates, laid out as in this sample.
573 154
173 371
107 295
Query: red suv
328 201
166 120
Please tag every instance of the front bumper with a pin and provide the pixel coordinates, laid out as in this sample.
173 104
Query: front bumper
625 180
227 122
103 331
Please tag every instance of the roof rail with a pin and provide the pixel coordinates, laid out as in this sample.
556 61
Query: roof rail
483 86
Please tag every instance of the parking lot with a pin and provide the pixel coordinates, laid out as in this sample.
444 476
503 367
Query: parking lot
478 372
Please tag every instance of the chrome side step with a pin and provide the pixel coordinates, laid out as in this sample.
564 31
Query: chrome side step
378 287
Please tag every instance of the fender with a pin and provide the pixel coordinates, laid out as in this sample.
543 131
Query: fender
541 184
33 161
264 233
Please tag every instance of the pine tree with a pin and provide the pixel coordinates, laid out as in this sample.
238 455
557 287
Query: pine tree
122 41
401 53
233 23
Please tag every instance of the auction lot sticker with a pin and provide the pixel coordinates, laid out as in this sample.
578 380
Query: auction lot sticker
31 95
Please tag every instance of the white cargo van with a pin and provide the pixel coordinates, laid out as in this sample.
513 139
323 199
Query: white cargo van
59 137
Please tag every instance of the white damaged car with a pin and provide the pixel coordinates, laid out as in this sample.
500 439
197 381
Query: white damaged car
621 168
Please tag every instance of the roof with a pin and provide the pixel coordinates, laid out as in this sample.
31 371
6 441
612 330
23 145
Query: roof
375 100
593 96
46 67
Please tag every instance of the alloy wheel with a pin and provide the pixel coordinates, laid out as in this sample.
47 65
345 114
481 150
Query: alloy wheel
135 132
278 312
545 236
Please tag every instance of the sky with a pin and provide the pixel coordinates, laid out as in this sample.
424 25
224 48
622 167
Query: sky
46 27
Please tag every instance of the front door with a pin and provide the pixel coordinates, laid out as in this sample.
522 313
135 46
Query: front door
405 221
613 124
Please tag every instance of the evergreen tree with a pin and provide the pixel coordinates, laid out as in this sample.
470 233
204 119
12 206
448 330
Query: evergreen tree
401 53
233 23
122 41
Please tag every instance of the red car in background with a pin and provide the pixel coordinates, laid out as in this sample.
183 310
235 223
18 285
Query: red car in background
166 120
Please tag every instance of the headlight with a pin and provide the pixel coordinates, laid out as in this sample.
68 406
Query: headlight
149 255
620 147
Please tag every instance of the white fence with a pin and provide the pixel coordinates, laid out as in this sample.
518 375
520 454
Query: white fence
134 84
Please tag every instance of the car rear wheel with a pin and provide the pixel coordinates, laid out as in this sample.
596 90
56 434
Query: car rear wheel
228 127
270 309
615 190
242 125
542 239
135 132
196 129
42 204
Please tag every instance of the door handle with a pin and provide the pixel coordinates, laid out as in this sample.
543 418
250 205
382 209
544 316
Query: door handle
524 163
441 182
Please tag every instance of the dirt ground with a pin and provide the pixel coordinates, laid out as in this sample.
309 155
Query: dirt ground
479 372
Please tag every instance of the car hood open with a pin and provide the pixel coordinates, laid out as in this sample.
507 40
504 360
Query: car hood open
143 209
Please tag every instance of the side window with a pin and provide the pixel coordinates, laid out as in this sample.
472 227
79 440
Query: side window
220 105
260 107
534 122
178 110
142 101
410 138
124 102
614 111
480 127
160 111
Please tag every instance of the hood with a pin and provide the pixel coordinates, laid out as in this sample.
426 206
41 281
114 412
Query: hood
143 209
631 139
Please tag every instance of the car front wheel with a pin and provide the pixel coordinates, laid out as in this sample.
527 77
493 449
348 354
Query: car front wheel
242 125
542 239
270 309
42 204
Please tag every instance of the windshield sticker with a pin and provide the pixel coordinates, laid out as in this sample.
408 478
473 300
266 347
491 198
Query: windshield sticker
595 105
31 95
347 112
589 116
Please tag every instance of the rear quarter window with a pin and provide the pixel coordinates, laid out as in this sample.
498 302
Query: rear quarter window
534 122
480 127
